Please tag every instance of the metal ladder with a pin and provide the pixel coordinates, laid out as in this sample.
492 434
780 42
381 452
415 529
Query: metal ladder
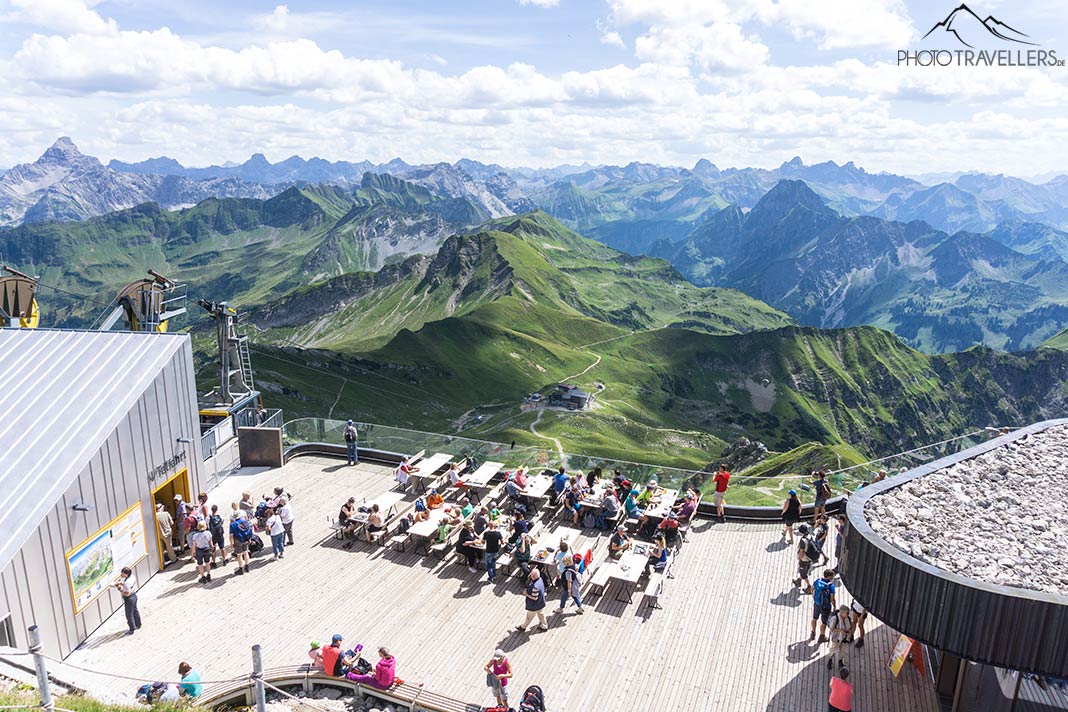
246 362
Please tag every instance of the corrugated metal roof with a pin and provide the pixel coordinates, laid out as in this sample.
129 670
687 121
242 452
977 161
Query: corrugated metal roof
62 393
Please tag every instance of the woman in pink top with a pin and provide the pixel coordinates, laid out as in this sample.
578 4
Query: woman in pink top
500 670
384 674
841 692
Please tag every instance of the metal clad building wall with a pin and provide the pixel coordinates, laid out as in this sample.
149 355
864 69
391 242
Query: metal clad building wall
997 625
35 584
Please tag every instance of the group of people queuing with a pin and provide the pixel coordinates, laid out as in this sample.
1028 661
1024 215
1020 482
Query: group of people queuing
211 540
838 624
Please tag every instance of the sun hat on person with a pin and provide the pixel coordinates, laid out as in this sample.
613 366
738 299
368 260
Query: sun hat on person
498 654
159 506
621 528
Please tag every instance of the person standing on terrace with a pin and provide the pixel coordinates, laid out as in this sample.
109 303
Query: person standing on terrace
823 492
535 602
351 437
721 479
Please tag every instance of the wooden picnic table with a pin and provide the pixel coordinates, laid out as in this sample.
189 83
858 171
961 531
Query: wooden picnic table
592 499
537 487
663 505
483 475
428 469
387 506
628 571
425 530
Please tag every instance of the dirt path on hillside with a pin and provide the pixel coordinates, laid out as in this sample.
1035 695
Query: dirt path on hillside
559 447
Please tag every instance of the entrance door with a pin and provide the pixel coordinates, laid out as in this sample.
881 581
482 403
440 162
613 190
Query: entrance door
164 494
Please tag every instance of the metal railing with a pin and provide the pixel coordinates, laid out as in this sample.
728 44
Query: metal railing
758 490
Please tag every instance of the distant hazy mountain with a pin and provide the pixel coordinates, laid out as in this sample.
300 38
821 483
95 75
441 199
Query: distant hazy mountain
64 184
940 292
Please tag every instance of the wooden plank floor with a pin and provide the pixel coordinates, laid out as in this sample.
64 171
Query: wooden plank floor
732 635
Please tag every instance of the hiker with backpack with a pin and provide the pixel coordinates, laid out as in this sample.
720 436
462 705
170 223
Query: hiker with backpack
240 535
823 604
218 536
808 553
571 583
823 492
840 625
791 515
350 434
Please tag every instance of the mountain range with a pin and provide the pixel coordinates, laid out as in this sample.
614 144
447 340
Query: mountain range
1007 288
628 207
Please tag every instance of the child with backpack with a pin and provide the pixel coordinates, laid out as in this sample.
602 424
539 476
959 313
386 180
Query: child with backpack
823 604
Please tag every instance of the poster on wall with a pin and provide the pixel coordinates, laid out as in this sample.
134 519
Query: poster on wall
94 565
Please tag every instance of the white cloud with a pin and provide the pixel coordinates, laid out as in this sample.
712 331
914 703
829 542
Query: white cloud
720 46
838 24
62 16
540 3
612 38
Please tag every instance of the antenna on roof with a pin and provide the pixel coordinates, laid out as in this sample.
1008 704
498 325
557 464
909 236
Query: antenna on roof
18 301
147 304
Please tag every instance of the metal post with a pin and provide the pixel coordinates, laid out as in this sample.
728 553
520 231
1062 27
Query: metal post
257 675
42 670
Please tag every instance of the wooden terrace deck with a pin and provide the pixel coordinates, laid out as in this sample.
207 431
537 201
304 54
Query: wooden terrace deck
732 634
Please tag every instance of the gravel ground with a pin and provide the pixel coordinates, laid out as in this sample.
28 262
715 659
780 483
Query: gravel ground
1001 517
325 699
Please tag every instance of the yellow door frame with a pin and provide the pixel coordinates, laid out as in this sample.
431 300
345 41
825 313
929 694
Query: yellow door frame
184 472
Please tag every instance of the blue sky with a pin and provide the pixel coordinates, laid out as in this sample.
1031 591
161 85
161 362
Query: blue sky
541 82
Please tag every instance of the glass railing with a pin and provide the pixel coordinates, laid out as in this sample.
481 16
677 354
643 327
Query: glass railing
747 490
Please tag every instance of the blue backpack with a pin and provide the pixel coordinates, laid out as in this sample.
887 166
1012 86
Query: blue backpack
821 593
241 530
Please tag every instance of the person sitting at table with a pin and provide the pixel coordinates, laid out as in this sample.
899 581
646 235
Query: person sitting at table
609 509
521 477
633 510
619 542
454 476
345 516
495 515
443 531
404 469
669 527
520 526
434 500
453 516
512 486
684 511
523 550
463 545
481 520
563 552
658 555
593 476
466 507
421 513
375 522
649 494
621 483
573 501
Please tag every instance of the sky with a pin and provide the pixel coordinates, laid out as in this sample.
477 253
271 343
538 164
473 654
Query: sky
528 83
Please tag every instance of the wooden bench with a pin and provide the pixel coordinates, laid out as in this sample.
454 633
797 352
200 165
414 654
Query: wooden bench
653 588
599 581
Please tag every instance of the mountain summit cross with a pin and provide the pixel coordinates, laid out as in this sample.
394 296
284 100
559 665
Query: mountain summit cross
964 17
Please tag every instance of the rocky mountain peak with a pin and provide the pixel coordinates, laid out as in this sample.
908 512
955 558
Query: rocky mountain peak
62 151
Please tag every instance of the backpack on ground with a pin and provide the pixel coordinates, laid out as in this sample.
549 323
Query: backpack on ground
589 521
533 700
255 544
242 530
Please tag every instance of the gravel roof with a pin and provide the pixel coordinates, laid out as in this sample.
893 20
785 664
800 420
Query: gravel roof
1000 517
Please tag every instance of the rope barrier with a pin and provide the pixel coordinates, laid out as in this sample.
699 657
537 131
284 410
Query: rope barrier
299 700
142 679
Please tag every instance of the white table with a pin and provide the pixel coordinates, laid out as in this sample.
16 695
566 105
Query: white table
387 506
483 475
428 468
663 507
628 571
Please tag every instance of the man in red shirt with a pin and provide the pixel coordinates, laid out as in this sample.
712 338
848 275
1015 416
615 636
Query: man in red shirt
332 656
721 479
